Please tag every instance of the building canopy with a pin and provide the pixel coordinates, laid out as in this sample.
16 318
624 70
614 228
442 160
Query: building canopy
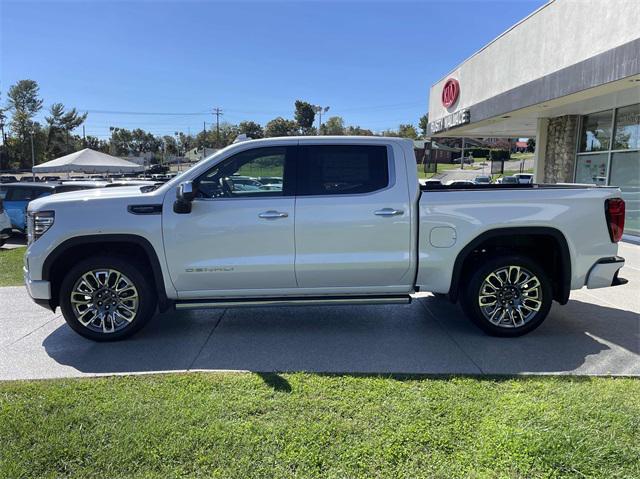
88 161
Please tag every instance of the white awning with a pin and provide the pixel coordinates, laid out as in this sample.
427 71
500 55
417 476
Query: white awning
88 161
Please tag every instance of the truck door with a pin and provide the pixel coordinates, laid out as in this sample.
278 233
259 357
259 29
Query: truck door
353 221
239 234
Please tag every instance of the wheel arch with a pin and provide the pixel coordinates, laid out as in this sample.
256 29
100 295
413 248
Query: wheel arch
522 241
73 249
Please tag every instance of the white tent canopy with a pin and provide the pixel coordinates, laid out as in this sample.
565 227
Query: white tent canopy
88 161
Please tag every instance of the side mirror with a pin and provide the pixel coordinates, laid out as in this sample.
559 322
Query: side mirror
184 196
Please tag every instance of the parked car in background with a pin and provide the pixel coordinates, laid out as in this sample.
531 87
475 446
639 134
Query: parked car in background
5 224
459 182
524 178
482 180
432 181
16 197
28 179
467 159
8 179
134 182
509 180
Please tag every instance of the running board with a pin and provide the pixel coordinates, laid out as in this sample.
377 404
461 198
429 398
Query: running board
293 301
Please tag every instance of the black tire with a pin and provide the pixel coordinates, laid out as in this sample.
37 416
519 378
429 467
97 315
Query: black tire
131 271
470 297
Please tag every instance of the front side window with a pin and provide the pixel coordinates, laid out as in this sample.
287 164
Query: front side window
596 131
252 173
343 169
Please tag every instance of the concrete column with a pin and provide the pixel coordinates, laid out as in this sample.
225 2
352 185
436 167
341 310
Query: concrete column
540 154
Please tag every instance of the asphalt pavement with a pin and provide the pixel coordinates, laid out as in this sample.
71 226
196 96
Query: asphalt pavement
597 333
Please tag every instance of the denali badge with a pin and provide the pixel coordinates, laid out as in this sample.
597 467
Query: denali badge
217 269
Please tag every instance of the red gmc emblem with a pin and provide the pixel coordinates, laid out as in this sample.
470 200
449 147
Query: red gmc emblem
450 92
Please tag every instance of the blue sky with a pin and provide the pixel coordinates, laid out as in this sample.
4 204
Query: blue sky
371 62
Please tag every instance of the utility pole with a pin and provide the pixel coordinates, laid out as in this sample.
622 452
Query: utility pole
33 159
4 140
84 138
462 157
217 112
320 110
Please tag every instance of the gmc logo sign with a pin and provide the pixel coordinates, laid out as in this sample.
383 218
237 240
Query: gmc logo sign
450 92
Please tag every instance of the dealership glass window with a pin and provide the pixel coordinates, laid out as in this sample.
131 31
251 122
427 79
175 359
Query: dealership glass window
592 169
627 128
625 173
596 131
609 154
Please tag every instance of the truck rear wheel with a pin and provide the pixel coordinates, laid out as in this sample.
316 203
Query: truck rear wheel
107 298
508 296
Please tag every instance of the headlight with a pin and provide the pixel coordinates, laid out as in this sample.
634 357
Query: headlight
38 223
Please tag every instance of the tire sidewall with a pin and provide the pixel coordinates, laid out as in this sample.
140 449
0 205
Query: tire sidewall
470 296
134 271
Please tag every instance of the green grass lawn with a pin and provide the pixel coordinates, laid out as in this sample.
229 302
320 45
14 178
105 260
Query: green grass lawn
11 266
319 426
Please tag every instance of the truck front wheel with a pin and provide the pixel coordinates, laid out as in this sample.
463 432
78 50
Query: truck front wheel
508 296
107 298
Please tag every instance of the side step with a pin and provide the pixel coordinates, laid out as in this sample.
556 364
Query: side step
291 301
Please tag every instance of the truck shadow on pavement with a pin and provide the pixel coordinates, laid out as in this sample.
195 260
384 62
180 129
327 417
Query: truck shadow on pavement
429 336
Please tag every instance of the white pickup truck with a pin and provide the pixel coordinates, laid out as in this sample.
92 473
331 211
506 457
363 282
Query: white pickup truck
318 220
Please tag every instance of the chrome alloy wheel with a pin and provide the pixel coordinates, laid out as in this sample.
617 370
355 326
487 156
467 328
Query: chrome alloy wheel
510 296
104 300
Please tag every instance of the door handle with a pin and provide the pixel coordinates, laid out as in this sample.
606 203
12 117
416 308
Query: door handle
272 214
388 212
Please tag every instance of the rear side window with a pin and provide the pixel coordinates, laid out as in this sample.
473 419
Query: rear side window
343 169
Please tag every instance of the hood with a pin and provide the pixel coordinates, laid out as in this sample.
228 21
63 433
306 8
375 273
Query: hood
91 195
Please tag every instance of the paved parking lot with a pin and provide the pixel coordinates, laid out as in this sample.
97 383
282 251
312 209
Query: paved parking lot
598 332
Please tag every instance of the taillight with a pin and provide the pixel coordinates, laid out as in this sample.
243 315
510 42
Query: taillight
614 211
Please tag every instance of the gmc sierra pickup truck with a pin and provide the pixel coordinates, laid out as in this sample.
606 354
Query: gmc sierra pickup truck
335 220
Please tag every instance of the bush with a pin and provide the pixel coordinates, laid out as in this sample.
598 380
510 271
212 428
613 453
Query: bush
477 152
500 155
495 154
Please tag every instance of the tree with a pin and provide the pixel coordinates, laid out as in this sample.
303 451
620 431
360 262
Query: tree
333 126
281 127
356 130
60 125
170 145
96 144
251 129
423 123
407 131
531 145
24 103
304 115
120 142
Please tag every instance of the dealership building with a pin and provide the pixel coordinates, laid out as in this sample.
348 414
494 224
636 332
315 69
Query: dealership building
567 75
